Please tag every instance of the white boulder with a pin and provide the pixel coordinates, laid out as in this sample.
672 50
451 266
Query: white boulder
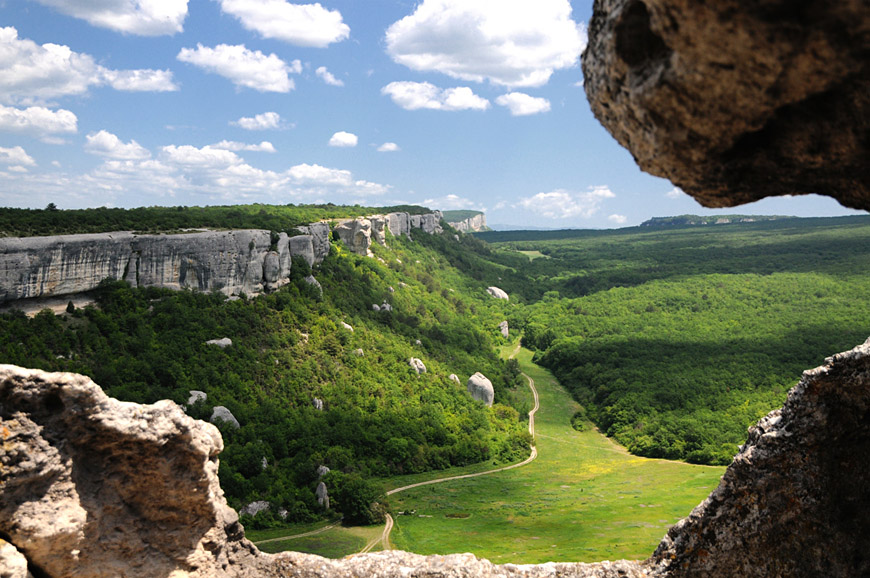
480 388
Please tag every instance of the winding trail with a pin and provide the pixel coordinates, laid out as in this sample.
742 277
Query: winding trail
311 533
384 538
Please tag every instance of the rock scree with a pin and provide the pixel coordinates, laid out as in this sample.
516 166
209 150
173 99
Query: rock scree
736 101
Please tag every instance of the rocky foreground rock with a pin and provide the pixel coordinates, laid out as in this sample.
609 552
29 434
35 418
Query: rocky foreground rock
91 486
734 101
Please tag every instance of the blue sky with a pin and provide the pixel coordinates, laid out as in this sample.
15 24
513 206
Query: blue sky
453 104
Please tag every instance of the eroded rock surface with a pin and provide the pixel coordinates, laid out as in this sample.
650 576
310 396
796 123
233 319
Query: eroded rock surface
356 234
497 293
417 365
91 486
735 101
480 388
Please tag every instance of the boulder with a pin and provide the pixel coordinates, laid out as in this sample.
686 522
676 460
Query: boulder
376 307
505 331
221 413
322 495
254 508
454 377
359 352
347 326
195 396
356 234
317 403
497 293
417 365
480 388
736 101
315 283
271 268
223 342
322 471
91 486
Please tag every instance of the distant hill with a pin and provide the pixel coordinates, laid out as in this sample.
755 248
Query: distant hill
689 220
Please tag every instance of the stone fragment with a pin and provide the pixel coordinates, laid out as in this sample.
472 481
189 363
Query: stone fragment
480 388
505 330
736 101
222 413
195 396
417 365
322 495
223 342
497 293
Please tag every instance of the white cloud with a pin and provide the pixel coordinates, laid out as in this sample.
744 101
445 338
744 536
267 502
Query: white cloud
675 193
328 77
509 42
37 121
106 144
388 147
228 145
265 121
299 24
451 202
32 73
521 104
142 17
417 95
343 139
243 67
206 156
15 156
618 219
563 204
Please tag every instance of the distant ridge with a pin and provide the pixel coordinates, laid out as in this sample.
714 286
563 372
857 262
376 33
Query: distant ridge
466 221
689 220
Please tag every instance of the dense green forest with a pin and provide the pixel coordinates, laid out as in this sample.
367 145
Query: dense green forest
674 339
291 347
51 221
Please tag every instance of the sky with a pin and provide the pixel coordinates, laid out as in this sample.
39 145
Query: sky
451 104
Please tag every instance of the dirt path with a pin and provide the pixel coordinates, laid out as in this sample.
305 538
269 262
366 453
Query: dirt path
384 538
311 533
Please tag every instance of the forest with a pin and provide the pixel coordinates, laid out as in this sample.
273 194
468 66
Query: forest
673 339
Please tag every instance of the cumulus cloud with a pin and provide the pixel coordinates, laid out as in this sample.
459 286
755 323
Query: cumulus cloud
675 193
30 72
228 145
564 204
265 121
508 42
343 139
243 67
299 24
452 202
106 144
328 77
521 104
206 156
37 121
388 147
417 95
142 17
618 219
16 156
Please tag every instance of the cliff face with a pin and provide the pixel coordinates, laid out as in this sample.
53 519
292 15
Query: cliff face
227 261
471 224
90 486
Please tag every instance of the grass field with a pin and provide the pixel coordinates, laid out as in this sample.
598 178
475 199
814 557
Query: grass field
584 499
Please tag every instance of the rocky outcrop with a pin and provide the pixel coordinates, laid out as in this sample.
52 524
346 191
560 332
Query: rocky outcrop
195 396
471 224
497 293
221 413
417 365
319 237
91 486
356 234
255 508
399 224
736 101
429 223
379 226
480 388
504 329
322 495
223 342
455 378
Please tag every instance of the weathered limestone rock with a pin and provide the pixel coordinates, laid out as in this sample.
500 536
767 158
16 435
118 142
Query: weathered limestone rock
220 412
322 495
794 501
254 508
736 101
195 396
271 268
429 223
312 281
223 342
322 470
505 330
480 388
13 564
376 307
356 234
317 403
417 365
319 233
90 486
302 246
399 224
347 326
379 224
454 377
471 224
497 293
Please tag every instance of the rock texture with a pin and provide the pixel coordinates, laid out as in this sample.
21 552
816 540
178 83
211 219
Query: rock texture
504 329
471 224
221 413
794 501
356 234
429 223
399 224
223 342
480 388
319 234
497 293
379 227
90 486
735 101
417 365
322 495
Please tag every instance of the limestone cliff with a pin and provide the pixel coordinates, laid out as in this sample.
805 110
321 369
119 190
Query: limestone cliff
471 224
